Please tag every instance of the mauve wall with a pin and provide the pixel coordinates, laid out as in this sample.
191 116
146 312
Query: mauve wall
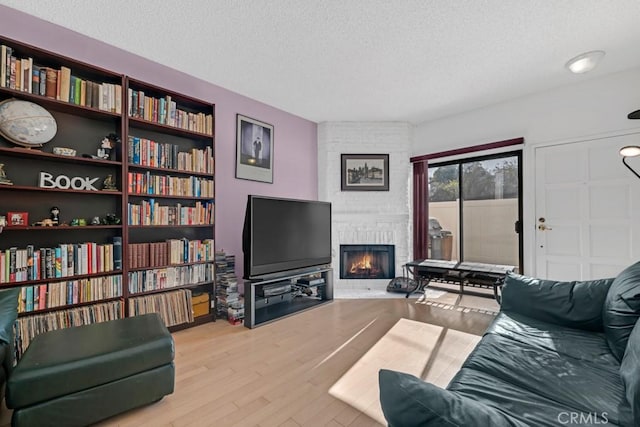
295 139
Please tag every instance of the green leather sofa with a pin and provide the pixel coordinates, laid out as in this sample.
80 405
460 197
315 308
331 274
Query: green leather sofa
558 353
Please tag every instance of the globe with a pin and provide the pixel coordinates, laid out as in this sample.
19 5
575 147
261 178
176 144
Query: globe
25 123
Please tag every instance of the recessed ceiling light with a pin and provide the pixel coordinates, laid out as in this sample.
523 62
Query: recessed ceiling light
585 62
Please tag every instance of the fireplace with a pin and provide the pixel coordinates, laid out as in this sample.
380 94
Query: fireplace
367 262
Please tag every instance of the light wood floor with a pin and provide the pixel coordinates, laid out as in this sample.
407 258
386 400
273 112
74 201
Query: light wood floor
280 374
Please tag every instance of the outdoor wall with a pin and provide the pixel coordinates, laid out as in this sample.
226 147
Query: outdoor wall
295 139
591 106
447 214
488 226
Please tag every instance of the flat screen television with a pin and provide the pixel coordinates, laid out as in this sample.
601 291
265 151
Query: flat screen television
285 234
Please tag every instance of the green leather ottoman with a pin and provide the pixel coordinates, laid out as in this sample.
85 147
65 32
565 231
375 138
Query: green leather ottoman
78 376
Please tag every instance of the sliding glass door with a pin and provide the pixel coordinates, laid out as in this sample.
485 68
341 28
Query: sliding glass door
475 210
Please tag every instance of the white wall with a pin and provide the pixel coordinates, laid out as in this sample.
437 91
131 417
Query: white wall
361 217
588 107
572 113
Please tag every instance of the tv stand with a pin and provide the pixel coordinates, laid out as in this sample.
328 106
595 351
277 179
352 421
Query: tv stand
303 289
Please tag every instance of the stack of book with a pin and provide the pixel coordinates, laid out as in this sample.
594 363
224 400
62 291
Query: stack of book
229 303
165 111
174 307
170 277
23 75
146 152
169 252
64 260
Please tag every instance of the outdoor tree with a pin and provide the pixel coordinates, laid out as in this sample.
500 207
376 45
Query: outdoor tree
443 185
477 182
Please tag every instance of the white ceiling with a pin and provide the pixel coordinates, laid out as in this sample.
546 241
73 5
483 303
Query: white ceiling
331 60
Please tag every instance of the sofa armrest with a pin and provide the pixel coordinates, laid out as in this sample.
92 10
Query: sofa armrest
408 401
571 304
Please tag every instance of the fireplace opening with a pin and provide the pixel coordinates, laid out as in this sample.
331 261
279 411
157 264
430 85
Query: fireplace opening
367 262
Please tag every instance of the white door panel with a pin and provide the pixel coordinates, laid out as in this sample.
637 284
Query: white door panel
586 203
557 200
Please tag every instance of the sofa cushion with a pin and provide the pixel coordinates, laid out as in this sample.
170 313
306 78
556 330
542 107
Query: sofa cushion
621 309
630 372
8 313
521 404
408 401
573 383
572 304
575 343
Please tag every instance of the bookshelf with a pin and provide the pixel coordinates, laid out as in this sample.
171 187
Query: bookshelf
164 172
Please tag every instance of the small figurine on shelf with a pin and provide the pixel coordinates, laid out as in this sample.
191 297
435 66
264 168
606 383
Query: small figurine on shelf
111 219
55 215
3 176
95 220
107 145
109 184
44 223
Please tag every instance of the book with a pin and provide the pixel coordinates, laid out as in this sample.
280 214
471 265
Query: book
12 72
18 74
3 66
77 91
51 83
65 83
43 81
27 84
35 80
117 253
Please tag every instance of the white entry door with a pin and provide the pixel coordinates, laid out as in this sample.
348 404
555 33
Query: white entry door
587 209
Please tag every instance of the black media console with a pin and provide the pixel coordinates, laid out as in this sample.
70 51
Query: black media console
270 297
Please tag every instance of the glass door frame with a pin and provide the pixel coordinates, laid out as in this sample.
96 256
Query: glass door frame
517 226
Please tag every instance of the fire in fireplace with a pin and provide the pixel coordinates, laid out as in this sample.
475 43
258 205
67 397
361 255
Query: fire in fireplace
367 261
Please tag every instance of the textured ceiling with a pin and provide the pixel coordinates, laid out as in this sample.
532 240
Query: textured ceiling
325 60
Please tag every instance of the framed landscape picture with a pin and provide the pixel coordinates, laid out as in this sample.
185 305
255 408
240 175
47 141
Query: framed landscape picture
365 172
254 149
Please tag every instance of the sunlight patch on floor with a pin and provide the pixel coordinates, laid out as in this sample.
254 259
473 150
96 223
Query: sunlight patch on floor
345 343
427 351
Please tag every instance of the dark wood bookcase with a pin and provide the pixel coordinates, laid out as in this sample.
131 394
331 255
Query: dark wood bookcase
82 128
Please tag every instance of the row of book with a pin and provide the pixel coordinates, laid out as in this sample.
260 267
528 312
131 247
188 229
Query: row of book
23 75
64 260
229 303
146 152
150 212
26 328
41 297
174 307
165 111
170 252
170 277
146 183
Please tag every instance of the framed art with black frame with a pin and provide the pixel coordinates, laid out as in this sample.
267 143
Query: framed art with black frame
364 172
254 149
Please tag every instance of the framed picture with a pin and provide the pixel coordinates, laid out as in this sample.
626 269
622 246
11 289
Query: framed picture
254 149
365 172
17 219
